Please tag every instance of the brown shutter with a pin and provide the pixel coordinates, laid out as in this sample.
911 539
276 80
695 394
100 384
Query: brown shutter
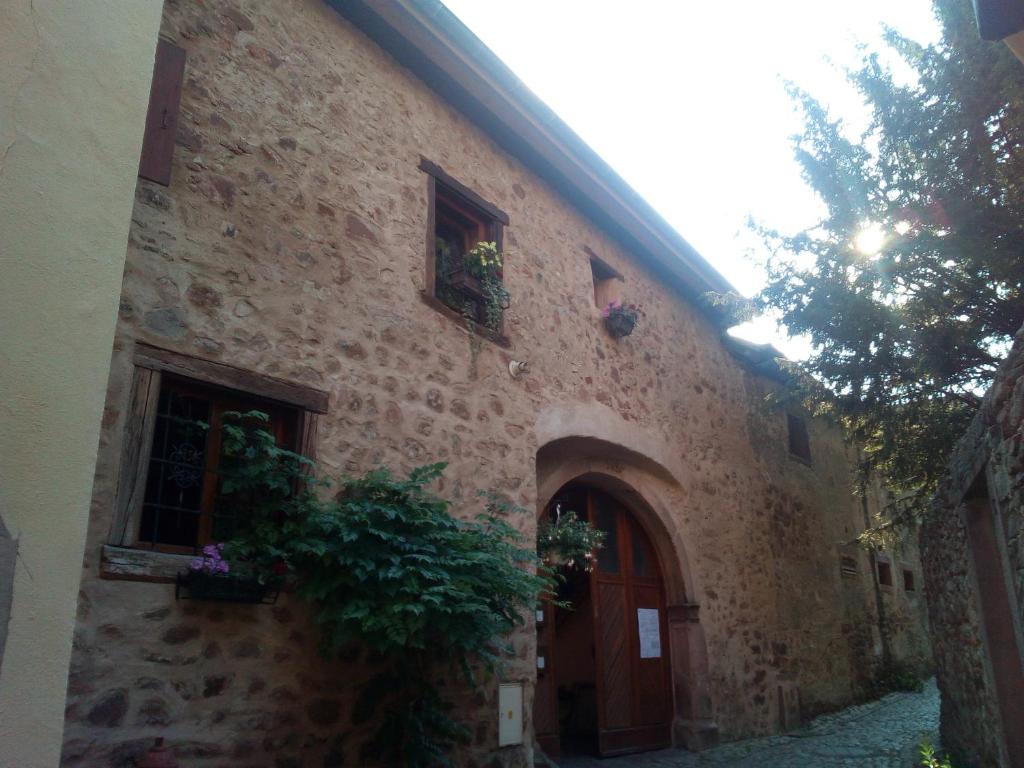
137 442
162 117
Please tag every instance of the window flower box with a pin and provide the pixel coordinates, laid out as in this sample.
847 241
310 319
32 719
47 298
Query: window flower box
199 585
210 578
462 281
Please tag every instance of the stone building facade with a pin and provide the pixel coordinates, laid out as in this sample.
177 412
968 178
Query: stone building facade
972 547
288 261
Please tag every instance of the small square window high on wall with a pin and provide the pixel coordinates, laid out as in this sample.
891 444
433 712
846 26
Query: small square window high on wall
607 281
799 440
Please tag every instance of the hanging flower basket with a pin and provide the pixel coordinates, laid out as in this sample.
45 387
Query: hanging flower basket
620 319
567 540
198 585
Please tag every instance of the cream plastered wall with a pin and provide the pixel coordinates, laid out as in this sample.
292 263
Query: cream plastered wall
74 86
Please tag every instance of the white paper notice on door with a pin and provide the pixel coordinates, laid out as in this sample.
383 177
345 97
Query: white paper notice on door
650 633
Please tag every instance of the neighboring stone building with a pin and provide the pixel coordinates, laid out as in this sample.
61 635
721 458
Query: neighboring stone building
973 549
287 262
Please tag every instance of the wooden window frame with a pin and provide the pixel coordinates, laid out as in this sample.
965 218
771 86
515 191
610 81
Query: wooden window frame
284 423
464 200
121 556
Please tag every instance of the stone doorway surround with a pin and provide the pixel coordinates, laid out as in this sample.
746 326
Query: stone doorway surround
615 463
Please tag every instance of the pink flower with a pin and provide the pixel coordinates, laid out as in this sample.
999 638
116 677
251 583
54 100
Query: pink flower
212 561
612 306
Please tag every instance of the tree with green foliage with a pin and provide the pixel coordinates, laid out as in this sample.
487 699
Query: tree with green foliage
384 565
907 337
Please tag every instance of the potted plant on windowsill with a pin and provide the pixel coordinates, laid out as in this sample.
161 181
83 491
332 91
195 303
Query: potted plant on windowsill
209 578
478 275
620 319
567 540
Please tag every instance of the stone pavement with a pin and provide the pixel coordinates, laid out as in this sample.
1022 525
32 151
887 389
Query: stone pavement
880 734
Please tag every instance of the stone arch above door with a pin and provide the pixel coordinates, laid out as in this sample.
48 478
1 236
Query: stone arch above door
646 485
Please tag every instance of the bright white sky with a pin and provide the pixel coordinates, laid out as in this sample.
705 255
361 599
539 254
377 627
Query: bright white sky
685 99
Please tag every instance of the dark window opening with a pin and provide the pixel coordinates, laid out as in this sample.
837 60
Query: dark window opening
884 573
799 441
459 226
908 580
184 506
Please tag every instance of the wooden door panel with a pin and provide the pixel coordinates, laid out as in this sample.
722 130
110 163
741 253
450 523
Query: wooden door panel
653 703
613 667
640 739
634 694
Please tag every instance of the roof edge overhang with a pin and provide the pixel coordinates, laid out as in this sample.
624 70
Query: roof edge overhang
998 19
425 37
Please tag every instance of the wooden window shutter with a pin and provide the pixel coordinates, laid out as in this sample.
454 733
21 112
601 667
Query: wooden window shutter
162 116
137 441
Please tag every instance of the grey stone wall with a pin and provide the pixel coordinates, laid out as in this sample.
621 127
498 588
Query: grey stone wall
993 446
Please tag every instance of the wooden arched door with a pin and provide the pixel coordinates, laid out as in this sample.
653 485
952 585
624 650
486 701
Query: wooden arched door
627 638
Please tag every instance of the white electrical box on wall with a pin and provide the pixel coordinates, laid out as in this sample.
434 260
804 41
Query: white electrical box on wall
510 714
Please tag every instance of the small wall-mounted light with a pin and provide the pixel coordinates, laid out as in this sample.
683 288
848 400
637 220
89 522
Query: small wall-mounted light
516 368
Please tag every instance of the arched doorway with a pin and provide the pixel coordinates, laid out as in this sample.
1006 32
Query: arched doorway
603 680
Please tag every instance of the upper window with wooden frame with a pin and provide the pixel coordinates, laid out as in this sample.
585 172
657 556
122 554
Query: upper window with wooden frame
462 282
169 494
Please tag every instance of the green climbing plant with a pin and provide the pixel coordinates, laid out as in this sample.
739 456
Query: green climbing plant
931 759
383 563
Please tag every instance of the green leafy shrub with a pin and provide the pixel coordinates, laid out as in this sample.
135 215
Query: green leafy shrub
898 676
383 563
931 759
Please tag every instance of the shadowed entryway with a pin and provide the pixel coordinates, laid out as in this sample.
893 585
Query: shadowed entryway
604 687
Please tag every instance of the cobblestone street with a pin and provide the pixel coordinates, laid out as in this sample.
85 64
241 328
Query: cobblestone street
880 734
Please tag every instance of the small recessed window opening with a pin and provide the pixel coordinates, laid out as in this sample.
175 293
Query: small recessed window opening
799 441
884 573
848 566
908 580
607 282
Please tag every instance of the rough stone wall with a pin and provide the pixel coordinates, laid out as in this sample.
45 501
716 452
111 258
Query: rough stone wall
993 445
291 242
